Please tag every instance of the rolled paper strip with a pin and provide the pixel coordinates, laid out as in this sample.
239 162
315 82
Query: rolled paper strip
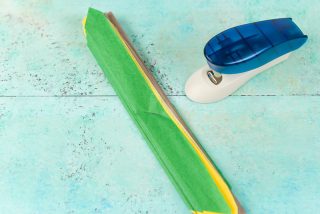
187 165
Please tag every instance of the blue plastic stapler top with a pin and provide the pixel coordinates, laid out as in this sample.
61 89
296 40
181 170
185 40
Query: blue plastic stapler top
246 47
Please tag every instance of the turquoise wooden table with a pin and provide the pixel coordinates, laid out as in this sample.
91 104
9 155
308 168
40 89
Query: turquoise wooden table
67 145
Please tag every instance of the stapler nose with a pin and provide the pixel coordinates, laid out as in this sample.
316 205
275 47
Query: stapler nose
200 84
193 90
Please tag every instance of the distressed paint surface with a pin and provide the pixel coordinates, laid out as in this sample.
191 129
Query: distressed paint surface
43 52
68 146
83 155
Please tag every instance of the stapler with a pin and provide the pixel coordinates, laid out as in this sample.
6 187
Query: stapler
239 53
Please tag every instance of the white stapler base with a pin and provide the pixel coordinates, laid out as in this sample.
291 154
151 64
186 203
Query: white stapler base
200 89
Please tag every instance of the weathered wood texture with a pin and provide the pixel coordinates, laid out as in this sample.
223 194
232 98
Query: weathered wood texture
68 146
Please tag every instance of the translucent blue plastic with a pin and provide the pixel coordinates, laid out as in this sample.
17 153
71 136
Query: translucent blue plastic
246 47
